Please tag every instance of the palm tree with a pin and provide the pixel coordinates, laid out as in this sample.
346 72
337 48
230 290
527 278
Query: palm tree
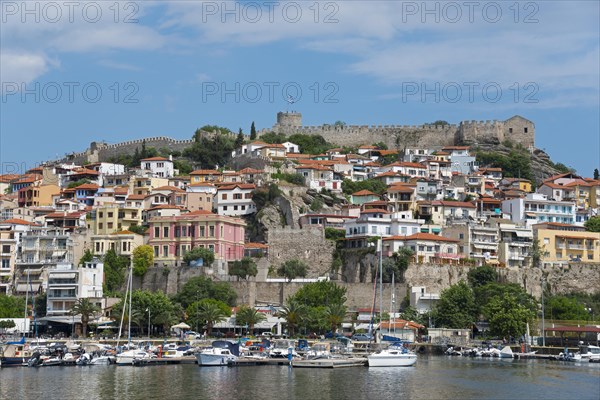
336 313
249 316
165 319
86 309
211 313
293 312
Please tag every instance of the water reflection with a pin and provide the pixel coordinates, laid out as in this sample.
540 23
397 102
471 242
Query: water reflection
432 378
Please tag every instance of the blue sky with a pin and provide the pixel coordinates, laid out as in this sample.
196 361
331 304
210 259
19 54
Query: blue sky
162 67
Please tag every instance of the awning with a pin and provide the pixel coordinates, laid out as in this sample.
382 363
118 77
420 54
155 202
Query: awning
66 319
525 234
63 275
24 287
59 253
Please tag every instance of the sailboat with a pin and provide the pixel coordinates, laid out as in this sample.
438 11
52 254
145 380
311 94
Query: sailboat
127 357
396 355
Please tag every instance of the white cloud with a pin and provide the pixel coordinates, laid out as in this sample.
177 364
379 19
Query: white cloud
21 67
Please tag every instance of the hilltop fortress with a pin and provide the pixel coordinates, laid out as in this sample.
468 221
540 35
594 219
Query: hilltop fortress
516 129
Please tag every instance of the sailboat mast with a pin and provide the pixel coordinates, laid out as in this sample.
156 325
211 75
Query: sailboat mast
130 295
380 283
26 301
392 308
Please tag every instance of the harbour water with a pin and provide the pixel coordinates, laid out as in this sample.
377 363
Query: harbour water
435 377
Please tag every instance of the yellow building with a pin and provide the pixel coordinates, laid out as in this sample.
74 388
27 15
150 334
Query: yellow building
112 218
37 195
123 243
562 243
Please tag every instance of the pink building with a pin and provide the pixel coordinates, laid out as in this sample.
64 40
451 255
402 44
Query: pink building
173 236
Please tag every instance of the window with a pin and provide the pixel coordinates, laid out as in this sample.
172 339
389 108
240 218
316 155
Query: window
100 214
221 231
237 196
211 231
510 130
248 196
124 247
461 235
235 208
6 248
165 251
525 129
156 231
5 263
177 231
110 214
97 247
374 229
192 231
224 208
100 225
166 231
224 196
110 225
202 233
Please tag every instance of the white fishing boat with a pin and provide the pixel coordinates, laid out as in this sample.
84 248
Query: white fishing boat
128 357
394 356
215 356
506 352
587 353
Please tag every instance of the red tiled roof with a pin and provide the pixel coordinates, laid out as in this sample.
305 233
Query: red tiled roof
165 207
364 193
136 197
85 171
29 178
407 164
239 185
6 178
374 210
314 166
252 245
251 171
87 186
18 221
73 215
155 159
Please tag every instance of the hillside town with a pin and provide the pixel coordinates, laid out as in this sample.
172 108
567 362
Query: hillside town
274 212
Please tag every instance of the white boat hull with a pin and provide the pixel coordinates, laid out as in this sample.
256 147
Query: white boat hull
214 359
398 360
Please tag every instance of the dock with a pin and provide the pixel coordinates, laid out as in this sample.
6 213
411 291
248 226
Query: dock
248 362
331 363
165 361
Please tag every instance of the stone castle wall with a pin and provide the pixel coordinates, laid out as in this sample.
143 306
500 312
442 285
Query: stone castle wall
515 129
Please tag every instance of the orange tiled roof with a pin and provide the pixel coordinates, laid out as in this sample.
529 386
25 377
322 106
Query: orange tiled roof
205 172
239 185
18 221
364 193
155 159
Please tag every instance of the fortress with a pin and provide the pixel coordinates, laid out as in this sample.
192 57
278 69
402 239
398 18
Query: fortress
516 129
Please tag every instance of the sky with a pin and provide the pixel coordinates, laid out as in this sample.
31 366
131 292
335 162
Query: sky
76 72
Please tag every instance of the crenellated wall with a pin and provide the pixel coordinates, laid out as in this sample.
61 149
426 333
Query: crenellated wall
517 129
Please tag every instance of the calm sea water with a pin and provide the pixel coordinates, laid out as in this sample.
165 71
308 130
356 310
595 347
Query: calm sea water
432 378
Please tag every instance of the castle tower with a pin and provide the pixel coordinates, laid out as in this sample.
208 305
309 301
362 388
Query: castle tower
289 118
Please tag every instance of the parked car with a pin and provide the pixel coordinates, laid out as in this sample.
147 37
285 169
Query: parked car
218 334
362 337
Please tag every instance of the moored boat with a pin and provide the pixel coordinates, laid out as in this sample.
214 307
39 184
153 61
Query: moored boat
393 356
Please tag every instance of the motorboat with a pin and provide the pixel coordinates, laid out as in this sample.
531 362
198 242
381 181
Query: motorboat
128 357
393 356
15 354
587 353
506 352
215 356
281 348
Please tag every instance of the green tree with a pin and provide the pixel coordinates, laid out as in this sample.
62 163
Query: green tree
507 316
210 314
324 293
86 309
139 229
143 258
293 312
199 253
193 311
374 185
537 252
11 306
339 123
439 122
244 268
210 152
87 257
6 324
596 174
201 287
114 271
40 305
145 304
239 140
293 269
411 314
481 276
252 131
310 144
592 224
335 314
249 316
183 166
565 308
456 307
